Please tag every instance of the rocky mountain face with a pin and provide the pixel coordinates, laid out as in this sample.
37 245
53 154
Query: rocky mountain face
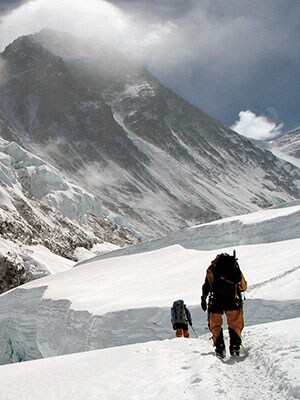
109 125
39 207
12 273
290 143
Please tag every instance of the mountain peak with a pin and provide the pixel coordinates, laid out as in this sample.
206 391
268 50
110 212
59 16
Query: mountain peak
26 52
152 157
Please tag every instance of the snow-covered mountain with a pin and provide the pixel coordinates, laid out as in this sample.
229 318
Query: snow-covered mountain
286 147
256 228
40 208
121 303
290 143
115 130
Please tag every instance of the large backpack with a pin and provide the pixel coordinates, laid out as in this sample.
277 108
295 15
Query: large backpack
227 275
179 312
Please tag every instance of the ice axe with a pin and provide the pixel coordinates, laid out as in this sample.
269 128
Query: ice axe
194 331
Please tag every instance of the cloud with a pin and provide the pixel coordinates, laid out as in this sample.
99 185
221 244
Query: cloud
256 127
100 19
85 18
221 56
162 41
213 37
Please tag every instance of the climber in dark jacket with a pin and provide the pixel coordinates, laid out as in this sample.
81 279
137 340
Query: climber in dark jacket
181 318
220 302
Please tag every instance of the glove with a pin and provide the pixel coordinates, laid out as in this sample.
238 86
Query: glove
203 303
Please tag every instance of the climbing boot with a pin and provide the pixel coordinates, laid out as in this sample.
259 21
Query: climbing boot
179 332
220 346
235 343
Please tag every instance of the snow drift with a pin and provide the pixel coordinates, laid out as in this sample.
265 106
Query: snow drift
165 370
125 299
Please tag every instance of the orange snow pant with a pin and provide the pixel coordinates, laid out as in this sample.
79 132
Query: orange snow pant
235 321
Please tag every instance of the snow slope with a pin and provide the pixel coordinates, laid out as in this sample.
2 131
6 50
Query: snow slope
271 225
39 261
26 178
289 143
22 170
41 212
176 368
120 306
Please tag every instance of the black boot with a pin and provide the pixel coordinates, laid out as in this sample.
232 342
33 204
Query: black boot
235 342
220 346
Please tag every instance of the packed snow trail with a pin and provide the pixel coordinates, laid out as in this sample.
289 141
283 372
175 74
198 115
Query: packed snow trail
50 316
176 368
112 302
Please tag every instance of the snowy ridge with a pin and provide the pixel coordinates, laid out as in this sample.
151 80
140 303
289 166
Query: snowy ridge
266 226
285 148
289 143
38 186
45 183
45 221
284 156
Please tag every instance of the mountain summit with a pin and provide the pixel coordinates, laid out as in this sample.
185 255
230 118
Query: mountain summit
112 127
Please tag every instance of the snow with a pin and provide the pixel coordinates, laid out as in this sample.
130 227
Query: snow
98 249
125 275
22 170
38 260
284 156
263 215
101 330
39 205
181 368
229 190
139 89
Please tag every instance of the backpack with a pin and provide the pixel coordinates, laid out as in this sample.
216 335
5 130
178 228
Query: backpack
227 275
179 312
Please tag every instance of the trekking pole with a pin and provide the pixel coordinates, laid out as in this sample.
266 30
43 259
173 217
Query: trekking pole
194 331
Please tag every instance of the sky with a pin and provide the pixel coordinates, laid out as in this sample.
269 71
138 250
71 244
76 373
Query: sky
104 332
237 60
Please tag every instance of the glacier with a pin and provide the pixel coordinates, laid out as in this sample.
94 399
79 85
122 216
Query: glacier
114 300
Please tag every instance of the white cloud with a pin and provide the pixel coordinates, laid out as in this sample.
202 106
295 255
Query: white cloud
163 42
89 18
195 36
203 51
256 127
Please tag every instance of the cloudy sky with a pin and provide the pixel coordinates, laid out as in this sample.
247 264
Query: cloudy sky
237 60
